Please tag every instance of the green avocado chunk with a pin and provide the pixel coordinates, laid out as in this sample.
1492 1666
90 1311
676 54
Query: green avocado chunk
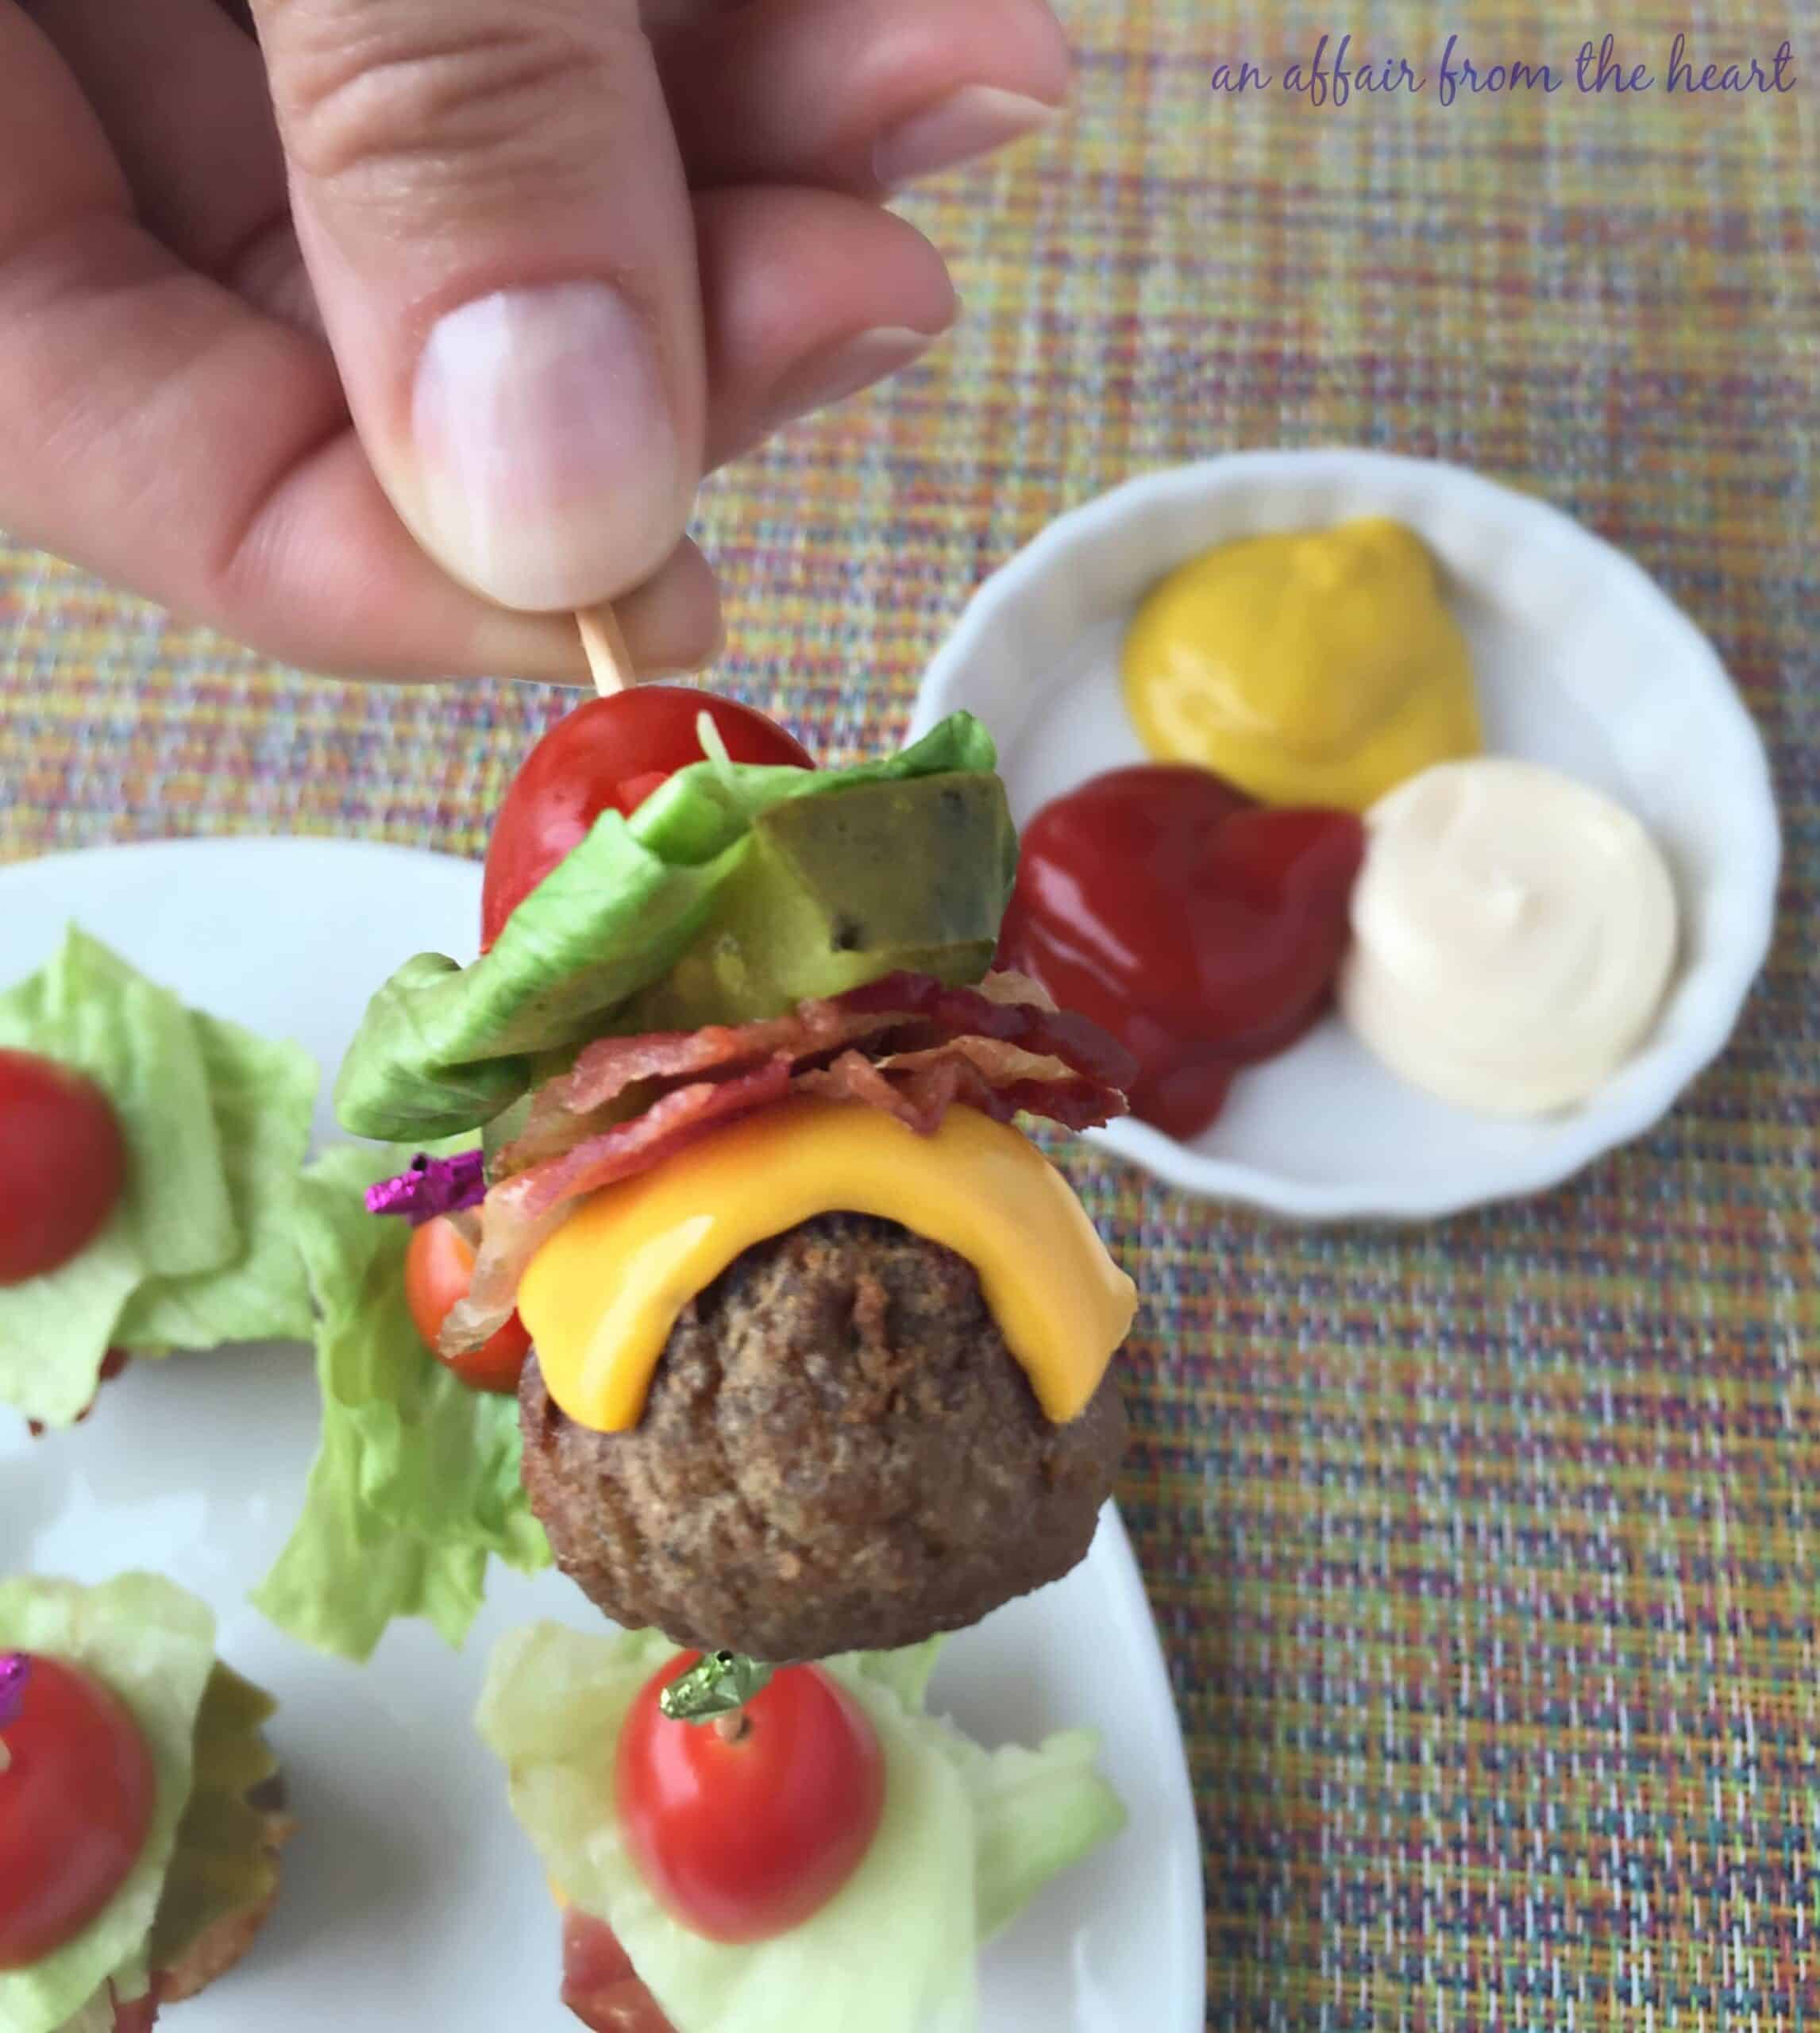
835 891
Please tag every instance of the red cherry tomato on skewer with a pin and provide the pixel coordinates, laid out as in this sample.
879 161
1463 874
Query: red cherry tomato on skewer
76 1807
438 1269
744 1840
63 1164
609 755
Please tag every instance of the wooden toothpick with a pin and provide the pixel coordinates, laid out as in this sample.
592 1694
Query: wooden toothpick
608 657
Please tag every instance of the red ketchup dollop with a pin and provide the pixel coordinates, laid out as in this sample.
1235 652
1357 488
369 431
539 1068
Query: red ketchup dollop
1203 930
76 1797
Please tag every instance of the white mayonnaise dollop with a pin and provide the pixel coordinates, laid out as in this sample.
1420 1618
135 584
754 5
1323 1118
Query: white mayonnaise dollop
1513 934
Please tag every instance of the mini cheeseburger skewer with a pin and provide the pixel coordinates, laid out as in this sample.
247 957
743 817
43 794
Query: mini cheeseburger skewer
812 1345
820 1342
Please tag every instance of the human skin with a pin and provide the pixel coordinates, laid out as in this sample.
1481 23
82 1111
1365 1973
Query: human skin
382 340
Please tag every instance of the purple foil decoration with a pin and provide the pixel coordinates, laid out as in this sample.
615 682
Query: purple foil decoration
432 1186
15 1670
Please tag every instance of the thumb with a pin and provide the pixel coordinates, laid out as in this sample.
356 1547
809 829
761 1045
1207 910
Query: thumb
490 203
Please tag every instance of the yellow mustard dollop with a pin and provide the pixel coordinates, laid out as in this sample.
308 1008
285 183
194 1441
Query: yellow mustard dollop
600 1298
1321 668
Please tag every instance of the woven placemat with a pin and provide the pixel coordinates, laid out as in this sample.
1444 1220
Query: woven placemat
1482 1553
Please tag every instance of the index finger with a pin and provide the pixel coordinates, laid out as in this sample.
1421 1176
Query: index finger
156 430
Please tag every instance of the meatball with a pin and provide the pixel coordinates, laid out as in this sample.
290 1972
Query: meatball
839 1453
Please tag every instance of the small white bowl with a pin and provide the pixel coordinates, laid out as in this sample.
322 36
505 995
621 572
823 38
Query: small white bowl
1582 664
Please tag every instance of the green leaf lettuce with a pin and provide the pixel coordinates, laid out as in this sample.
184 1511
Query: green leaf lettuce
216 1122
415 1484
443 1048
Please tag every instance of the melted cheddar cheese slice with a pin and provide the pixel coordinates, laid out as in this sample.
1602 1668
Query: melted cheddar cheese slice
601 1296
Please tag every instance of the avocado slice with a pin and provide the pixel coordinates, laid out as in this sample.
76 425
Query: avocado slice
835 892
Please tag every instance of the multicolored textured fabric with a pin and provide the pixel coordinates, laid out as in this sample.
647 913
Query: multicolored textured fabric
1487 1556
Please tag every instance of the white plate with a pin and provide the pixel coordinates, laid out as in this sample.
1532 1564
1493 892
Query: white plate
1582 664
411 1898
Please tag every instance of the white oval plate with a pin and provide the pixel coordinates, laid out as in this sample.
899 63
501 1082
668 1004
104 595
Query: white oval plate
411 1898
1582 664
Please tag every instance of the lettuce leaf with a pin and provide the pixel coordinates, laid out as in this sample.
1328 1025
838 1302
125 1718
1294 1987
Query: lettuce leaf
198 1252
1036 1813
968 1836
415 1484
96 2016
442 1049
153 1644
264 1093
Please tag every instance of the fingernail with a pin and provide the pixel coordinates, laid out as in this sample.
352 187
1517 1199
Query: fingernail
844 369
551 473
969 122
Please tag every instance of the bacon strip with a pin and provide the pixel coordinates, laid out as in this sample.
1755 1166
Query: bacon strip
908 1044
606 1070
1031 1020
1001 1081
520 1215
599 1983
900 1014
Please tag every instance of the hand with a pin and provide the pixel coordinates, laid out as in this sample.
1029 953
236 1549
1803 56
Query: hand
382 342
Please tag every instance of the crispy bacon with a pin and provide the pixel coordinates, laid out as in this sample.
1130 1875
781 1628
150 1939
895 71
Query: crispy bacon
519 1215
607 1070
895 1018
1001 1081
599 1984
1008 1007
908 1044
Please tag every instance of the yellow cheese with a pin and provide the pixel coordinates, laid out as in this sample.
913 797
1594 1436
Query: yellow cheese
600 1298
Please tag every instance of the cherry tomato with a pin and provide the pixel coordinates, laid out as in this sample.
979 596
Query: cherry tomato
600 1985
76 1807
62 1164
611 753
744 1840
438 1268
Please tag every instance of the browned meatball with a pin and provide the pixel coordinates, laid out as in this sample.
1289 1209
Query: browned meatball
839 1453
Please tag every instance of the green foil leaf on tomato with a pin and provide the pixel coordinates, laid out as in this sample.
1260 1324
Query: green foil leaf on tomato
719 1685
